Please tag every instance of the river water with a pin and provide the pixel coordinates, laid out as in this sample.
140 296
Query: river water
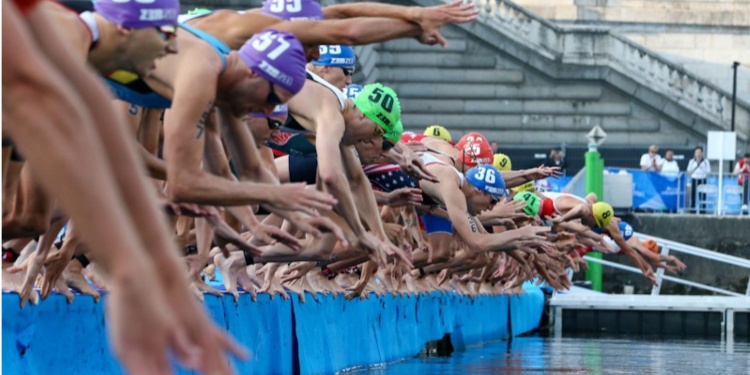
537 355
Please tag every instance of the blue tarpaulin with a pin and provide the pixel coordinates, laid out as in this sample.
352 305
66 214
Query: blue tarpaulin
320 336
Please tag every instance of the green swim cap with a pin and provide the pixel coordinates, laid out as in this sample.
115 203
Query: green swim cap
380 104
199 11
532 202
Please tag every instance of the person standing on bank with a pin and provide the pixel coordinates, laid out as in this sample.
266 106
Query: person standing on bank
669 166
698 169
743 170
651 161
556 158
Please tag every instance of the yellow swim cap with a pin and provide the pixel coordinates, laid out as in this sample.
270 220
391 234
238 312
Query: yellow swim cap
529 186
603 214
502 162
438 131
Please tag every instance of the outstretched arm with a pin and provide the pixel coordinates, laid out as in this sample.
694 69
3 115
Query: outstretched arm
614 232
429 19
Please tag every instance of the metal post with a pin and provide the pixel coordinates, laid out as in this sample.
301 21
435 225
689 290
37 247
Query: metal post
735 65
721 186
729 323
655 290
595 184
558 321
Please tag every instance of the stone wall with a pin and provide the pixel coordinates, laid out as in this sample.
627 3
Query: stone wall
683 12
704 37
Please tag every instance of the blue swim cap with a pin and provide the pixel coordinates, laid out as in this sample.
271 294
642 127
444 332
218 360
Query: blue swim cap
352 90
487 178
626 230
337 55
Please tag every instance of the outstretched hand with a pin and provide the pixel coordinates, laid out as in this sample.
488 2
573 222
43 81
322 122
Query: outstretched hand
403 197
225 235
296 197
431 19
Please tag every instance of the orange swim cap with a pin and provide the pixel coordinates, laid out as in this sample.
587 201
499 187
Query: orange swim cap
651 245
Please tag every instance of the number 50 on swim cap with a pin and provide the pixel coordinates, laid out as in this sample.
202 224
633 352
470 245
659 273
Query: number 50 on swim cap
380 104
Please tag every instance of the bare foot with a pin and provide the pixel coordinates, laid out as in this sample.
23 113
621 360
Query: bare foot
249 281
295 287
230 268
210 272
205 288
62 288
74 278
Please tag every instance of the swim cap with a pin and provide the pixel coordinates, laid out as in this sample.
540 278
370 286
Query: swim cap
533 202
280 110
626 230
528 186
603 214
438 131
651 245
474 149
502 162
278 57
139 15
293 10
380 104
336 55
352 91
486 178
548 208
199 11
412 137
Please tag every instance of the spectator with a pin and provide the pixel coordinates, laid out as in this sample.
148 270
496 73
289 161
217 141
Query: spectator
494 146
651 161
742 169
556 158
698 169
669 166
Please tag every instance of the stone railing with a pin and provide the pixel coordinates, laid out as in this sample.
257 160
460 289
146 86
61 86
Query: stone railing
599 47
367 65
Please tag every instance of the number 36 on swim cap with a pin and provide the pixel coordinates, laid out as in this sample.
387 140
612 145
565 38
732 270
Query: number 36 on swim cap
486 178
380 104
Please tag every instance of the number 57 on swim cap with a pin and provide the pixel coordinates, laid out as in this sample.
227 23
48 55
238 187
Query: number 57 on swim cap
278 57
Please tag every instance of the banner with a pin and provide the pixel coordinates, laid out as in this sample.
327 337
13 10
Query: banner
655 191
553 185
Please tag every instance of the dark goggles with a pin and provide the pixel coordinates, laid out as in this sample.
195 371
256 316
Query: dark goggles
272 98
273 124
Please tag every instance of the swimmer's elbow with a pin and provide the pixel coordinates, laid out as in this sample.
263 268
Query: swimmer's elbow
476 244
180 190
331 179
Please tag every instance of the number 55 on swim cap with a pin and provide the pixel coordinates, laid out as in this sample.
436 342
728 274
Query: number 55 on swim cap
380 104
293 10
139 14
278 57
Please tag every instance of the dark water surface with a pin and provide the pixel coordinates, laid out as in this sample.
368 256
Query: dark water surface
536 355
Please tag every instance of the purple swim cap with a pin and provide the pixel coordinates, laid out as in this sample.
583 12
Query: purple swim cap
278 57
280 110
139 14
293 10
